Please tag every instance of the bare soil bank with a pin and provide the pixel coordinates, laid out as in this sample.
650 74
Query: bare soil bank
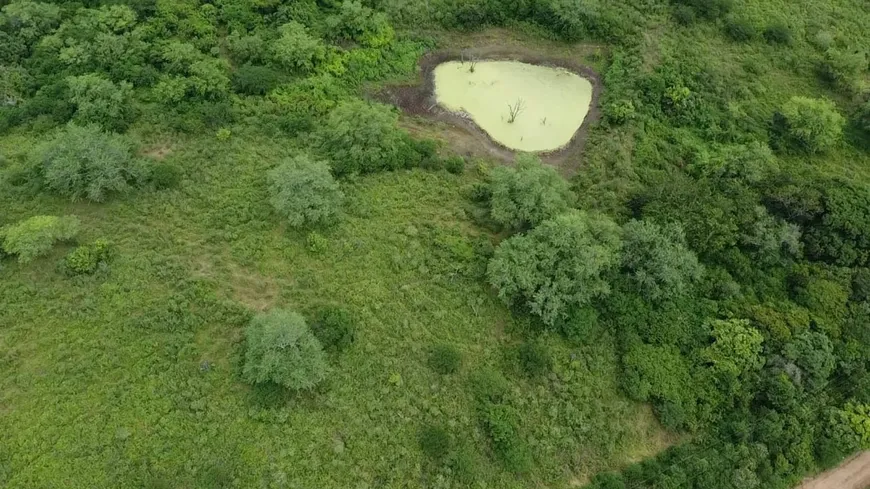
419 99
854 473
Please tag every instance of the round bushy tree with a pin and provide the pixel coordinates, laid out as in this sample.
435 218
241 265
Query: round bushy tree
811 125
558 265
34 237
82 162
524 196
304 191
296 49
657 259
100 101
360 137
281 349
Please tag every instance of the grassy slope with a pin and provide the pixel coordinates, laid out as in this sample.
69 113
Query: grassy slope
102 380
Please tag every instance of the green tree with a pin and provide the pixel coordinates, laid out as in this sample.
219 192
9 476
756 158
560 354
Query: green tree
813 353
736 349
557 266
810 125
359 23
304 191
82 162
296 49
660 374
746 163
657 259
100 101
34 237
360 137
209 78
524 196
282 350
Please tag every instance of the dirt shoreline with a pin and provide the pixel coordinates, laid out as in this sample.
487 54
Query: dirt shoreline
853 473
418 99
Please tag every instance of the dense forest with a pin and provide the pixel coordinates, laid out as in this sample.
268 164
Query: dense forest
227 260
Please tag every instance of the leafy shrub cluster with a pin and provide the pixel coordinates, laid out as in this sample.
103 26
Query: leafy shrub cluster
86 259
35 237
445 359
304 191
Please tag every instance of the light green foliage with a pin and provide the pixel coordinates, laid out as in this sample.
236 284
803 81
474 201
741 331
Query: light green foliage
31 20
524 196
280 349
361 24
812 125
557 266
657 259
86 259
82 162
304 191
660 374
296 50
859 418
34 237
13 81
746 163
736 348
361 137
100 101
844 68
209 78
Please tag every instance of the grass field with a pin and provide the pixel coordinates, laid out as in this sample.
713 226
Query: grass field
132 375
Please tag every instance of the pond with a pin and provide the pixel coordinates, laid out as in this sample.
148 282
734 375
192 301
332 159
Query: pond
522 106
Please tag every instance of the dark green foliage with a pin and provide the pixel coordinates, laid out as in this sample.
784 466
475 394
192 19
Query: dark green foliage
501 422
489 386
34 237
164 175
445 359
300 104
334 327
360 137
527 195
557 266
454 164
435 442
281 349
82 162
709 9
813 353
657 260
777 34
684 15
255 80
535 358
739 30
87 259
660 374
304 191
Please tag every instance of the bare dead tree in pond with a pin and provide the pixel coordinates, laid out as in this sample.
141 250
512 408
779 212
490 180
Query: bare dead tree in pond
472 64
515 109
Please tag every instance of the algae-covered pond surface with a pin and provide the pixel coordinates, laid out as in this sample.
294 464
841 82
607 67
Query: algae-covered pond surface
553 101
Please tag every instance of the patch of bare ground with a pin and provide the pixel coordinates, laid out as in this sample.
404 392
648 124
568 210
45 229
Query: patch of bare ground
854 473
157 152
425 117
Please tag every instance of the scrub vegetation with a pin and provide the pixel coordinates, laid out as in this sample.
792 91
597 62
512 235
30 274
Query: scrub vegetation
223 265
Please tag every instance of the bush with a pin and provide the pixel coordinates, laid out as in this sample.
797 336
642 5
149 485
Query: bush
86 259
535 359
304 191
445 359
435 442
557 266
501 423
454 164
164 175
255 80
489 386
527 195
359 137
281 349
82 162
739 30
100 101
335 328
777 34
843 68
684 15
809 125
657 260
296 50
34 237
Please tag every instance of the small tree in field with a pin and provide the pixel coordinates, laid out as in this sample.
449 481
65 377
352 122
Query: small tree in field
360 137
810 125
282 350
98 100
304 191
35 237
525 196
82 162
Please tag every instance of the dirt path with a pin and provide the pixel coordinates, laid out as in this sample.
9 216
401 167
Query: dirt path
854 473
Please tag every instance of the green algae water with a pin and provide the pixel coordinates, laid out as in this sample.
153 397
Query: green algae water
553 101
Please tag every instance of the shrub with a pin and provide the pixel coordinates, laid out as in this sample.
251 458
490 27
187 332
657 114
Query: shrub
527 195
557 266
864 115
82 162
739 30
335 328
255 80
501 423
535 358
100 101
445 359
657 259
777 34
164 175
489 386
34 237
296 50
304 191
809 125
684 15
316 242
454 164
360 137
435 442
843 68
86 259
359 23
281 349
